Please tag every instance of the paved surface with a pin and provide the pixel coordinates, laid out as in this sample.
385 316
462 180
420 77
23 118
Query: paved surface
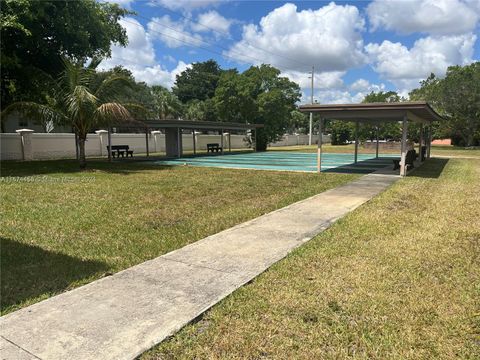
288 161
121 316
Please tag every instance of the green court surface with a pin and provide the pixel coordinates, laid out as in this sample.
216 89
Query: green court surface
287 161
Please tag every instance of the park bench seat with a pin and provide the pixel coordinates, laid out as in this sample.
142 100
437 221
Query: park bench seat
214 147
120 150
409 160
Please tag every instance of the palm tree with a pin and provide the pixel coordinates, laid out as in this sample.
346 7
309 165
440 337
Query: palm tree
80 99
166 103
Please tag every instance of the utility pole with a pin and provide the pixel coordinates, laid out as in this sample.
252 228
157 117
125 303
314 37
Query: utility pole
311 114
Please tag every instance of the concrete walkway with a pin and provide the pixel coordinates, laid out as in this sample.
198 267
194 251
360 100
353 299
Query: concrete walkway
121 316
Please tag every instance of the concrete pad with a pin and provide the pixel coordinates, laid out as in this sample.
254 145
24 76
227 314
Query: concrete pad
10 351
121 316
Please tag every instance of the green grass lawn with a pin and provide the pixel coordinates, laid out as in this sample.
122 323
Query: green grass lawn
437 150
61 228
398 278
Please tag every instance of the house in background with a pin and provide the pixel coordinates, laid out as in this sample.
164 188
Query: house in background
17 121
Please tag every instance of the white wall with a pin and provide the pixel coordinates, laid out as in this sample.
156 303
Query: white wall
62 145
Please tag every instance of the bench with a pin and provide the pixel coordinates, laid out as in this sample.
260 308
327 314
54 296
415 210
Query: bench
409 159
120 150
213 147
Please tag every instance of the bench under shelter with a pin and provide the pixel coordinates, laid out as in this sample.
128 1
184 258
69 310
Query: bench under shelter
375 113
173 130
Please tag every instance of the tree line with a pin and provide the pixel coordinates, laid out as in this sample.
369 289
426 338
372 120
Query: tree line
50 56
456 97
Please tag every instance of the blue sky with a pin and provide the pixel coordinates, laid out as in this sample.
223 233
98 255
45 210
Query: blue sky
355 46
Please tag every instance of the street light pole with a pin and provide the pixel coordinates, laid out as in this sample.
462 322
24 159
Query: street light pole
311 114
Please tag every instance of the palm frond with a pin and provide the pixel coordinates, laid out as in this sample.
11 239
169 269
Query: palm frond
73 75
112 113
137 110
80 100
113 86
94 63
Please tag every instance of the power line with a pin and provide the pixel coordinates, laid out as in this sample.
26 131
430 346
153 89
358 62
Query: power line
203 41
228 35
202 47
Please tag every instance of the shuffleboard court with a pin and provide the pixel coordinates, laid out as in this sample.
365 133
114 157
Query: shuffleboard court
287 161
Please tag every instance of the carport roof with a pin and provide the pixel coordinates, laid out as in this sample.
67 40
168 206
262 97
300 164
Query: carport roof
189 124
419 111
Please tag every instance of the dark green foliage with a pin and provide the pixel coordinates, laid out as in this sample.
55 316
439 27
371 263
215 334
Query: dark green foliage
388 97
341 132
275 98
198 82
258 95
130 93
37 34
198 110
457 98
234 100
299 122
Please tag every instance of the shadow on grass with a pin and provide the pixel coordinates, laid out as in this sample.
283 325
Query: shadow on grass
431 168
361 167
122 166
29 271
68 166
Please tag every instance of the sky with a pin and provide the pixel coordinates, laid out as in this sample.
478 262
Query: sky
355 47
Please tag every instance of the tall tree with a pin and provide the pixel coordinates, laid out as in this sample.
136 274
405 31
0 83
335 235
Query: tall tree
275 97
258 95
80 100
37 34
460 99
197 82
457 98
429 91
234 101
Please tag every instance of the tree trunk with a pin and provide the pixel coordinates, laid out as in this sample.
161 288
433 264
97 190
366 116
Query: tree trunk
81 147
469 139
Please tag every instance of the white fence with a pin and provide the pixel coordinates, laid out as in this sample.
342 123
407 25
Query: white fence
59 146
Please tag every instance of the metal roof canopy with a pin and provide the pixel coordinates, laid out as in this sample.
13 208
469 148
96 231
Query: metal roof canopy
173 132
189 124
418 111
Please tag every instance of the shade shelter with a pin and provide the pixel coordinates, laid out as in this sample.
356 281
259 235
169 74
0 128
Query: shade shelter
173 132
404 112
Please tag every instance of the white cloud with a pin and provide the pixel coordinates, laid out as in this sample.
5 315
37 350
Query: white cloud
140 47
338 97
325 80
329 37
185 5
406 67
212 20
365 87
173 33
353 93
425 16
360 85
139 57
157 75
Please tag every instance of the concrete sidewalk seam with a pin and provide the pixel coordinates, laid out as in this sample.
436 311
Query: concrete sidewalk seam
19 347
